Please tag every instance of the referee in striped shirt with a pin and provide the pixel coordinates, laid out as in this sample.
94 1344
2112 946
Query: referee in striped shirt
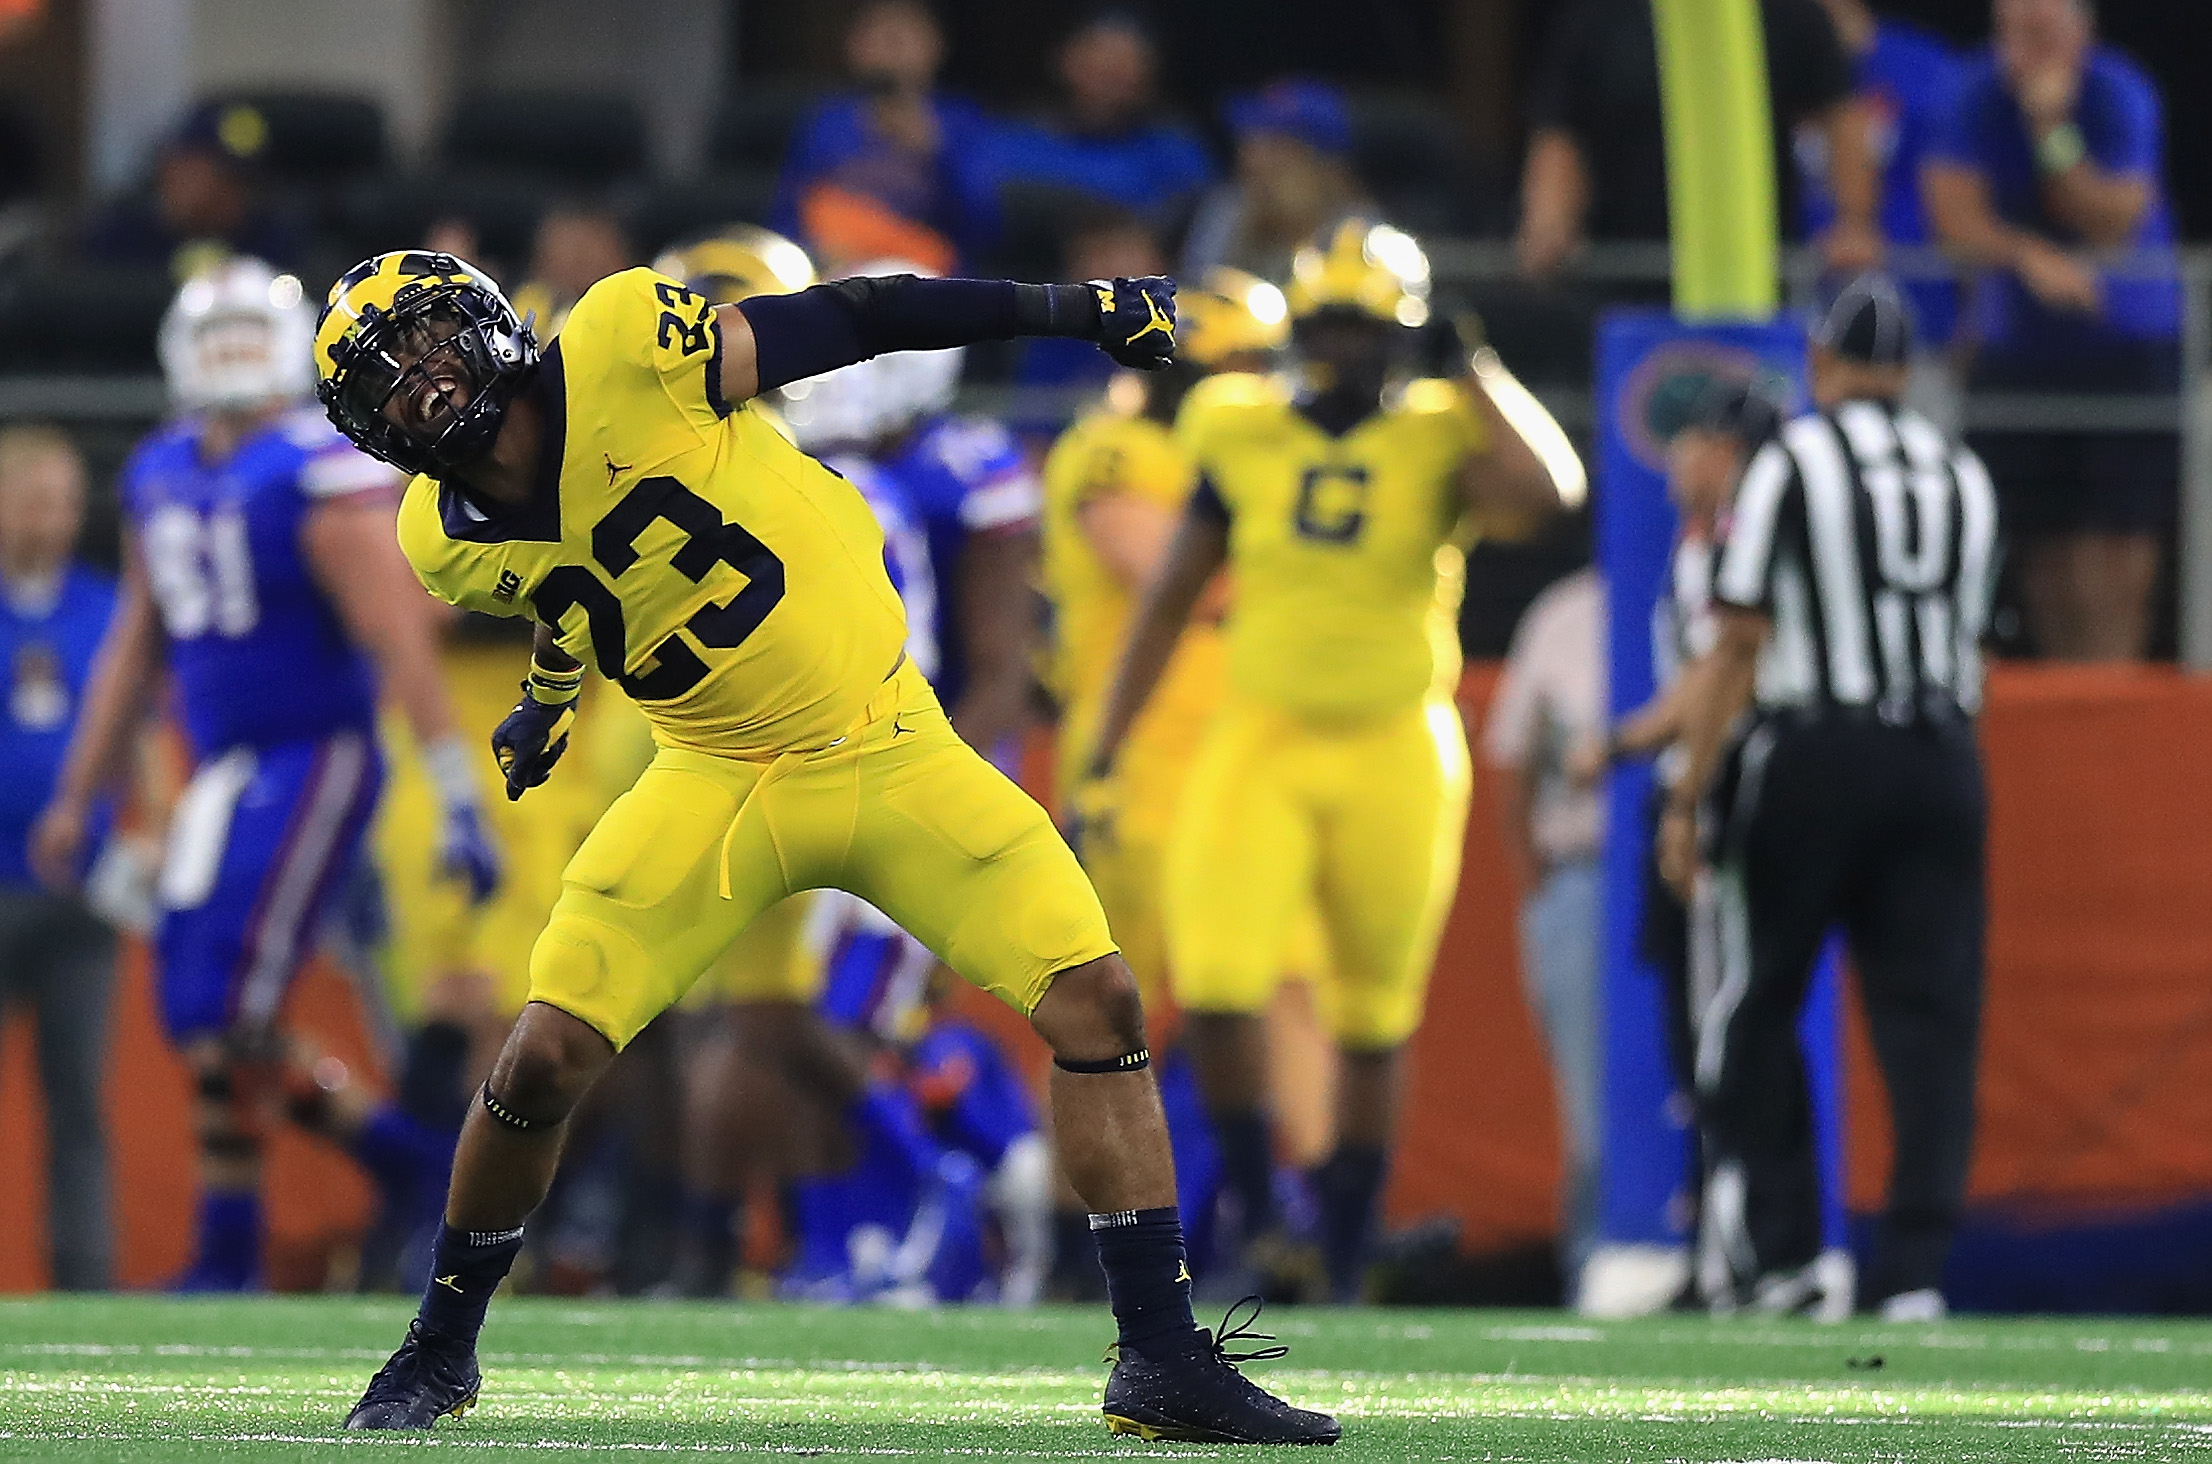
1852 591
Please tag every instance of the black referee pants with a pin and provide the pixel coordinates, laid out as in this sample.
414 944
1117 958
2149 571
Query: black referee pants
1839 821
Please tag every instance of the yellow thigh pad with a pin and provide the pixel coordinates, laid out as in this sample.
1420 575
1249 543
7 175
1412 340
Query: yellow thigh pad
899 811
1281 817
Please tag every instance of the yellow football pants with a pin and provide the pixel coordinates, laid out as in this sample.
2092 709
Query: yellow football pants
1365 822
899 811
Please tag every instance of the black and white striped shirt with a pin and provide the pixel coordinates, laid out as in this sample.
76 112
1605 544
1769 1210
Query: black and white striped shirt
1872 541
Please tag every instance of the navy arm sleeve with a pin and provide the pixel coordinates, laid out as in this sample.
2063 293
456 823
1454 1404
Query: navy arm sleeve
828 326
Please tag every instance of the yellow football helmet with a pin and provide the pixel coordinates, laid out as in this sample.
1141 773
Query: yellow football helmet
1364 266
1229 313
740 262
424 306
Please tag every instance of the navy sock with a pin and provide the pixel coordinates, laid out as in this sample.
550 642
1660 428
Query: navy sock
465 1269
1147 1278
1348 1186
1248 1168
230 1234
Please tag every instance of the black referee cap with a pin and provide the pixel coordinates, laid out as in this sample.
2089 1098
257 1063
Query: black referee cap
1868 323
1751 410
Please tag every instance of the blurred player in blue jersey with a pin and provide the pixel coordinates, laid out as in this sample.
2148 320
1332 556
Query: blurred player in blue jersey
261 571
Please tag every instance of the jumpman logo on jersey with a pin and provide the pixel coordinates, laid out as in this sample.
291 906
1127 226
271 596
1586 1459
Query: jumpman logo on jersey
899 727
614 469
1182 1272
450 1283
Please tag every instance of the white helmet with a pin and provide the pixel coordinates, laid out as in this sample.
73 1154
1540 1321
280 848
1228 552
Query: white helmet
237 336
873 399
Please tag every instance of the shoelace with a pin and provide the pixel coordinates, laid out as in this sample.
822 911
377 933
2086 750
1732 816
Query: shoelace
1233 1330
413 1361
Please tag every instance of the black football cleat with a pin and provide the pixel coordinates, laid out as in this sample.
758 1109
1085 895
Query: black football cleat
432 1376
1197 1396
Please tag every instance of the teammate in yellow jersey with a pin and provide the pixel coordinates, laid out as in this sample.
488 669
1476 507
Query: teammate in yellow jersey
1114 484
622 490
1336 770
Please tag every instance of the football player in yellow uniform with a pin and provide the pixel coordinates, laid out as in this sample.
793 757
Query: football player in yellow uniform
622 490
1115 483
763 1045
1336 770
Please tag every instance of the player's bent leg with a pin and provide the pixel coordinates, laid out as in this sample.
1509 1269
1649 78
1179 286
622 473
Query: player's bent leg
1239 864
228 1254
1170 1380
509 1148
973 868
660 887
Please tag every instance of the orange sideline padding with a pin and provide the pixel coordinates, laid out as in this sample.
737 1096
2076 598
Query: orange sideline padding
2098 1029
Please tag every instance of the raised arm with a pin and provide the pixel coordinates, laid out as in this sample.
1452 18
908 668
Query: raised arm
1555 199
352 549
1968 225
1854 241
115 709
774 340
1527 468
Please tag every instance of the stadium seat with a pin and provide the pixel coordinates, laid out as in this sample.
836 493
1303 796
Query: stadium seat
68 318
22 158
678 211
572 139
318 139
395 213
1412 154
751 130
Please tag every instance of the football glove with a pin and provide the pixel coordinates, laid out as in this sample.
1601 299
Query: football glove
535 733
467 853
465 848
1136 321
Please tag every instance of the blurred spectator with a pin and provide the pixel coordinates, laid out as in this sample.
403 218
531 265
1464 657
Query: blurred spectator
1294 181
895 168
2054 149
577 245
1106 141
1551 700
1102 243
56 958
205 202
1905 77
1597 156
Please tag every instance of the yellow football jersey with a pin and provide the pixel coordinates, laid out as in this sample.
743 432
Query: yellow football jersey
1347 551
733 585
1105 453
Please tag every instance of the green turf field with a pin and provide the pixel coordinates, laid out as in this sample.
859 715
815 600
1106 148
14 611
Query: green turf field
147 1379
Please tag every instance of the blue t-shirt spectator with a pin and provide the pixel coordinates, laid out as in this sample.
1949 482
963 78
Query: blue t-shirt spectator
1906 79
2122 128
839 155
47 644
1154 169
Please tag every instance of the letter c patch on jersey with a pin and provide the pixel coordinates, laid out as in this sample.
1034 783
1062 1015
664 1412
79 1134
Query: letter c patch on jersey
1332 503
